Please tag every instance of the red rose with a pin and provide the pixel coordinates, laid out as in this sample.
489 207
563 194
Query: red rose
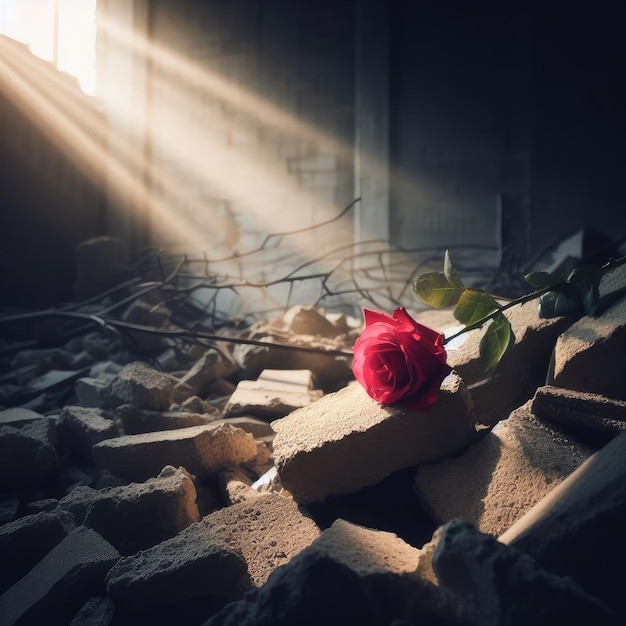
396 358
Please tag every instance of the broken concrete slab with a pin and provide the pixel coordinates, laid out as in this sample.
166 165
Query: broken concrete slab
346 440
521 370
586 353
18 417
97 611
195 404
592 418
91 392
236 486
137 421
211 365
502 476
142 386
28 455
496 584
226 553
139 515
26 540
580 523
201 450
331 371
55 588
81 428
274 394
349 575
308 320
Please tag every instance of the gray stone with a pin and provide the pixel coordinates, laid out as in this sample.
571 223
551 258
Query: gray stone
201 450
178 570
274 394
18 417
136 421
590 417
91 392
211 365
142 386
521 370
586 354
97 611
577 530
27 455
81 428
139 515
307 320
498 479
349 575
346 440
195 404
496 584
55 588
26 540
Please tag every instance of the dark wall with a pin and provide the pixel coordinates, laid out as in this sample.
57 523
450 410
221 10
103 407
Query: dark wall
48 202
518 101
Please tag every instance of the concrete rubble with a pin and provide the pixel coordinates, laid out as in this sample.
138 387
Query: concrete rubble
249 484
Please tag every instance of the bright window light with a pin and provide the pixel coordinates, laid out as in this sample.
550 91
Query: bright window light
60 31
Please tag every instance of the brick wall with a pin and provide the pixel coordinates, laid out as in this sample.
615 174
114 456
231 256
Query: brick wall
254 133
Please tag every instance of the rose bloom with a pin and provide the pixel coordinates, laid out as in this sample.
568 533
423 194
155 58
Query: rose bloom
397 358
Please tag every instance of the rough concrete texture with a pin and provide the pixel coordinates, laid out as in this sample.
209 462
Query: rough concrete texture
91 392
201 450
346 440
61 582
496 584
331 372
137 421
140 515
236 486
577 530
26 540
211 365
498 479
274 394
268 531
81 428
307 320
350 575
97 611
191 565
521 370
142 386
27 455
590 417
586 354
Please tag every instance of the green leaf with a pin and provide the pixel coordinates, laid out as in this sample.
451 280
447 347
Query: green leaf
562 300
541 280
450 272
473 306
434 289
495 341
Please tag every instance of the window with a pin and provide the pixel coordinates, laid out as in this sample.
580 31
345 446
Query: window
60 31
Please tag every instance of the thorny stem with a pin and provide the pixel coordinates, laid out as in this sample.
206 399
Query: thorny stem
527 298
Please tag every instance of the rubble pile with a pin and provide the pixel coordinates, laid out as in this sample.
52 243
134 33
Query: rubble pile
146 479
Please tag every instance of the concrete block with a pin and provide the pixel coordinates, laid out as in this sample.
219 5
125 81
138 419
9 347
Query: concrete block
136 421
501 477
139 515
590 417
201 450
26 540
211 365
142 386
586 354
28 455
274 394
81 428
61 582
308 320
97 611
346 440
